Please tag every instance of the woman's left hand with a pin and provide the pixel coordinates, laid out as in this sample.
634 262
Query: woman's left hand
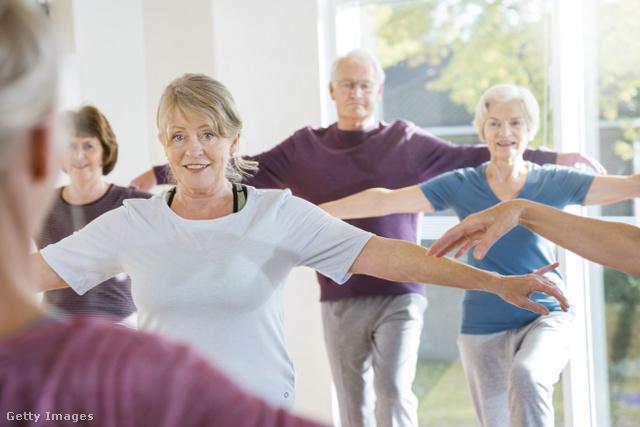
481 229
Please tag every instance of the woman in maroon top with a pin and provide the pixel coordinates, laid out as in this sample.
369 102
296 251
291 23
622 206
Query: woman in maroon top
89 154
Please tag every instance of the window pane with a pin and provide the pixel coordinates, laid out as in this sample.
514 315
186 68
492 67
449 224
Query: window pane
439 57
617 53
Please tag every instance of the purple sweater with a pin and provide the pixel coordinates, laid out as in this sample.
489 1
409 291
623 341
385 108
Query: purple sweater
111 297
93 373
325 164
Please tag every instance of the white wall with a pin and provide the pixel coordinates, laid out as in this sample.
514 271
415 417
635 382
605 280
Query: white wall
110 55
265 52
177 39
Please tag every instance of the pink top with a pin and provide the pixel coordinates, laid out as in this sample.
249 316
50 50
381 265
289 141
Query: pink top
91 372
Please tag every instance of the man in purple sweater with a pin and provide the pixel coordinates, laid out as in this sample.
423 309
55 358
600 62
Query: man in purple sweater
372 326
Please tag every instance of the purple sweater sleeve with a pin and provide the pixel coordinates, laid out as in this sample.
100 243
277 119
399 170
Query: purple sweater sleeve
541 155
161 173
274 167
432 157
462 156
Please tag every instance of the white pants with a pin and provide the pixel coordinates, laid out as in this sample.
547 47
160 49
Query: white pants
511 374
373 350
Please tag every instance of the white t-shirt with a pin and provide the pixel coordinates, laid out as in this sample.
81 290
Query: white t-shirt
215 284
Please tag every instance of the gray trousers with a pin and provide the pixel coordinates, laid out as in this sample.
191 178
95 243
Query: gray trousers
511 374
373 344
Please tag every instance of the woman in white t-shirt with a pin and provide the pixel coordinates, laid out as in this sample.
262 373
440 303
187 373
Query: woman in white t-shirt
209 258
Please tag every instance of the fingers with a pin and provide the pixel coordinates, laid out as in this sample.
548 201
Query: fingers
493 234
594 164
467 243
535 307
550 288
547 287
445 244
463 235
553 290
548 268
525 286
574 159
449 240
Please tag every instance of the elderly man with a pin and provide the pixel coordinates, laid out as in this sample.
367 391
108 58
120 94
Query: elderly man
372 326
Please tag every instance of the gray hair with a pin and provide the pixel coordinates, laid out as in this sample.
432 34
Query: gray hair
206 99
503 93
359 56
28 73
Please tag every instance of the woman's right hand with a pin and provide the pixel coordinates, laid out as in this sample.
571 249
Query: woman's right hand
517 290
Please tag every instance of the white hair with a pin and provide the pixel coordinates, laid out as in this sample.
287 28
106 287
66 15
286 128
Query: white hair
28 73
503 93
359 56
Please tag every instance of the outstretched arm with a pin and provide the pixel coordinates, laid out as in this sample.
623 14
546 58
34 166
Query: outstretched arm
612 244
44 276
379 202
578 159
607 189
402 261
146 181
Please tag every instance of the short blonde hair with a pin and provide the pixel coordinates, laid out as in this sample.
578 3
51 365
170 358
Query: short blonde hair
28 73
503 93
206 99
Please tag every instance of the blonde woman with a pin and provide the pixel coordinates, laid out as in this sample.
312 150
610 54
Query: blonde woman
209 258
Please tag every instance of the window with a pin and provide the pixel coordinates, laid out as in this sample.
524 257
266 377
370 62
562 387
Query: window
580 59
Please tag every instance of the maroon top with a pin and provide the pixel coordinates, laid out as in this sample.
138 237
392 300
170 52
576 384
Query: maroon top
325 164
111 297
95 373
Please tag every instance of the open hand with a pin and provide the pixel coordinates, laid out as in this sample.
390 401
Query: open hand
517 290
481 229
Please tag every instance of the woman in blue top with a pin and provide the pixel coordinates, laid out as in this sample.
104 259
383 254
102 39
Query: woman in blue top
512 357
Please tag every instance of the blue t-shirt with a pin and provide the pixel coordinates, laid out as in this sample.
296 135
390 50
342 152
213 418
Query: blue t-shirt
520 251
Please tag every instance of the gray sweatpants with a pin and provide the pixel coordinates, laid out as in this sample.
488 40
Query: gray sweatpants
511 374
372 344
